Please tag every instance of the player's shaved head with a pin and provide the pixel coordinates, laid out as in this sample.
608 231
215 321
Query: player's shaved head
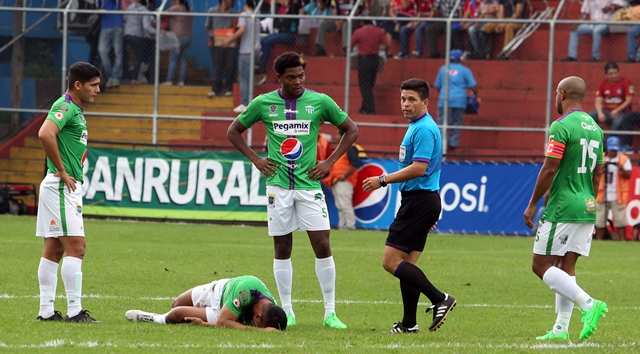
574 87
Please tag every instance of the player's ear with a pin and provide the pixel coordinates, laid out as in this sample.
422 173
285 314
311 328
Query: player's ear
77 85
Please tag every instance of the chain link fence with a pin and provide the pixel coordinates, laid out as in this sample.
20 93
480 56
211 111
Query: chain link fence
175 79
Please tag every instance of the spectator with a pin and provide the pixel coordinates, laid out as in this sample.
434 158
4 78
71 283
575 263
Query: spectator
286 31
511 9
181 26
244 33
613 192
313 9
399 8
424 10
442 9
460 79
341 8
342 179
368 38
597 10
111 39
223 53
477 9
323 148
137 28
633 53
613 99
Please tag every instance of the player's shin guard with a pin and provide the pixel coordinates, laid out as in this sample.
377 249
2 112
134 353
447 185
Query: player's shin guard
48 281
326 273
72 278
283 273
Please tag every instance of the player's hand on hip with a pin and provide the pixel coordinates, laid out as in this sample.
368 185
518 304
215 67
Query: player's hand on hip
266 166
320 170
69 181
528 216
371 184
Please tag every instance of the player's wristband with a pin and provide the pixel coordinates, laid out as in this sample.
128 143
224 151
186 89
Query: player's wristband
382 180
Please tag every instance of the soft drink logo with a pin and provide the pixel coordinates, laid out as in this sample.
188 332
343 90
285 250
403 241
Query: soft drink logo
291 148
370 206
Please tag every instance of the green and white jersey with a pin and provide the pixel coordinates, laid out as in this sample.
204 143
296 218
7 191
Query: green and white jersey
292 133
241 293
72 138
577 140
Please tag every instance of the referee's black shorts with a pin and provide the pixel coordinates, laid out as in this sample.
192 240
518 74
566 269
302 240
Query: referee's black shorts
419 211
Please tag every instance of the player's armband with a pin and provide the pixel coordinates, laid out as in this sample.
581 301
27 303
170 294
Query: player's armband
555 149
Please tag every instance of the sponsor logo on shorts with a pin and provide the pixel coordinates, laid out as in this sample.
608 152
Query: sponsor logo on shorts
78 209
53 226
563 239
236 303
271 200
318 196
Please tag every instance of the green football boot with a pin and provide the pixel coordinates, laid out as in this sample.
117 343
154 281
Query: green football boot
334 322
590 318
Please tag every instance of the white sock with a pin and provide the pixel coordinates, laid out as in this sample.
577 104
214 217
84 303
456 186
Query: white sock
72 278
564 308
161 319
561 282
326 272
48 280
584 301
283 272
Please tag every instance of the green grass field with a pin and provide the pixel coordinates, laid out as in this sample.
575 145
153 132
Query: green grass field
502 305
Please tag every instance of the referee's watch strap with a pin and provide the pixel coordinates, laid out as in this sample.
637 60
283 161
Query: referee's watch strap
382 180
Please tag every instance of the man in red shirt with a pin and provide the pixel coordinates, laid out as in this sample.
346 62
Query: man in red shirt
613 100
368 38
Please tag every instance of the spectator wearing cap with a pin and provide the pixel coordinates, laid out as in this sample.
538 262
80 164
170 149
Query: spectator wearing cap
613 192
460 80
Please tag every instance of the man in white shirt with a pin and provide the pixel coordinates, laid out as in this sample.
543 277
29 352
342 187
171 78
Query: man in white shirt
597 10
614 191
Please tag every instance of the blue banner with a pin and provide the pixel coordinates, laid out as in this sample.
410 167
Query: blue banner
477 198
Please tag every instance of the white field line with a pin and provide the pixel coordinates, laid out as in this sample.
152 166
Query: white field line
57 343
346 302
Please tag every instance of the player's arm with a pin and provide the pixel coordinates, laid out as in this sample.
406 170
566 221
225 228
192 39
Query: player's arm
545 177
349 137
48 138
234 134
597 173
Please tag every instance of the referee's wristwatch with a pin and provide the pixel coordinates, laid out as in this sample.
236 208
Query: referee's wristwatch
382 180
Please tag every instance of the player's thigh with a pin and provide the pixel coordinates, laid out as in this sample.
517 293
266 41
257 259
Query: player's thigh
281 212
556 238
601 216
619 214
311 210
59 210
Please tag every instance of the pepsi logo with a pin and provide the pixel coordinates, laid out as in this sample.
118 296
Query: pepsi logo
291 148
370 206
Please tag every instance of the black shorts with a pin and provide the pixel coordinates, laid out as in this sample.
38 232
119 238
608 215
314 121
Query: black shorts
419 211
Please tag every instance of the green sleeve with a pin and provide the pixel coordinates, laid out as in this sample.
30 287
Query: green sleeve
252 114
559 132
239 300
332 112
60 114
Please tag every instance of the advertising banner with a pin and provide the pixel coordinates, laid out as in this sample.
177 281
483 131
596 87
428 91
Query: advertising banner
225 186
479 198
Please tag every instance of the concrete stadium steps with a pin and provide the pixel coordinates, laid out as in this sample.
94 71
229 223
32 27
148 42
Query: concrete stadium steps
25 165
95 122
23 177
27 153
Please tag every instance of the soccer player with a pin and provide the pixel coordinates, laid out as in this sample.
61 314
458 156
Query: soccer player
571 171
64 140
419 163
292 116
239 302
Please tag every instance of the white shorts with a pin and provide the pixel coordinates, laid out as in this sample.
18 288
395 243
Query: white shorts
208 296
59 211
619 212
289 210
556 239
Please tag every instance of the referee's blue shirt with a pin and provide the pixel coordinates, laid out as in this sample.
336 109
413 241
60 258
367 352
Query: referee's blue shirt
422 142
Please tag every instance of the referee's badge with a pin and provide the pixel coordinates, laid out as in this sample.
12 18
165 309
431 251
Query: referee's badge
403 153
271 200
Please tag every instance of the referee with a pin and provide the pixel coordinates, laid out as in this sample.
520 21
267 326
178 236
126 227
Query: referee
420 162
